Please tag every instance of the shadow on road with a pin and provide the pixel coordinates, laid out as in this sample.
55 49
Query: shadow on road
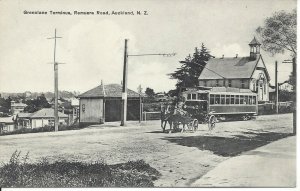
229 146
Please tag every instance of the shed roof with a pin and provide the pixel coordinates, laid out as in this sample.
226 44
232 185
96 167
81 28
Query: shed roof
109 90
229 68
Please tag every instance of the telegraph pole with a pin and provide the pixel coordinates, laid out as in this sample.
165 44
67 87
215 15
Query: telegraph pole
276 85
124 87
141 110
55 84
295 90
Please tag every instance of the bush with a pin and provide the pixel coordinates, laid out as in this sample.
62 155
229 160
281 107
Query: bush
18 173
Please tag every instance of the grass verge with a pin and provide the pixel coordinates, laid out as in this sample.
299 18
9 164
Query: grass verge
18 173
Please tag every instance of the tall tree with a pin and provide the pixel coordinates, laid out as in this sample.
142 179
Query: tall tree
149 92
188 73
279 33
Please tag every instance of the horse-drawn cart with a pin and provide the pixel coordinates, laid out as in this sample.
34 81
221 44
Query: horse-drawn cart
186 115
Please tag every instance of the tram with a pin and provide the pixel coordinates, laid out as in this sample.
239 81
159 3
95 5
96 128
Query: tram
223 103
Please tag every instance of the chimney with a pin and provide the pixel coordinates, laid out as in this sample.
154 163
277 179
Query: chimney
101 82
222 56
236 55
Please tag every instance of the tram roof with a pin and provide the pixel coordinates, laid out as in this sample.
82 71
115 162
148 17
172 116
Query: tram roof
222 90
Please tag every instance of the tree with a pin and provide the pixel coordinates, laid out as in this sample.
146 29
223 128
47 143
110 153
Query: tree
149 92
279 33
188 73
5 104
37 104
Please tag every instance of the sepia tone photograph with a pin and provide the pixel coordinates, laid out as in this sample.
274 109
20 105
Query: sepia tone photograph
148 94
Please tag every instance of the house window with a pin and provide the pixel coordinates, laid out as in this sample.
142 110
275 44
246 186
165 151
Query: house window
217 83
243 83
229 83
189 97
194 96
205 83
265 88
83 108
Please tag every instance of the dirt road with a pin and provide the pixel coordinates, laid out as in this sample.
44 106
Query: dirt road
180 157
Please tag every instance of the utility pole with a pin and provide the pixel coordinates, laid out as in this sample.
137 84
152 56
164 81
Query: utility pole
295 90
55 84
124 88
141 104
276 84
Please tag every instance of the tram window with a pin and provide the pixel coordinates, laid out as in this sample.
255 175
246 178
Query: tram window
227 99
250 100
231 99
246 100
242 100
217 99
222 99
189 97
202 97
237 99
212 99
194 96
254 100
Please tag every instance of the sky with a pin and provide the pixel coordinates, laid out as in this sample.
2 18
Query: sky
92 46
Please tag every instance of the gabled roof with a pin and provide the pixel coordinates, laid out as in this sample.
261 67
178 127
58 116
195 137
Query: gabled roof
43 113
109 90
229 68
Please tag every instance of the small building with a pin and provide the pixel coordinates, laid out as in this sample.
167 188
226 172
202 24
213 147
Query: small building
103 103
41 118
239 72
285 86
16 108
75 110
7 124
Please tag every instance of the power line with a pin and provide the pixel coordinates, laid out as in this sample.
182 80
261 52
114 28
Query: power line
203 67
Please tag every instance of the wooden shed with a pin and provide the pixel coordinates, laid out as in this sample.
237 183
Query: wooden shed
103 103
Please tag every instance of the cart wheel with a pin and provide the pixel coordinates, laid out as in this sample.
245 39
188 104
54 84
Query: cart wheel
195 124
211 122
245 117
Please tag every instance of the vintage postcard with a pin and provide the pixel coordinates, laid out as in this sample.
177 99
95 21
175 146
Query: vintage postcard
197 93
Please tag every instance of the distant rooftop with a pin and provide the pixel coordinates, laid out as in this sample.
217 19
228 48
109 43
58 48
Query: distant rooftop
43 113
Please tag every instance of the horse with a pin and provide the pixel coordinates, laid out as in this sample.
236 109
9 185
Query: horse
166 116
174 117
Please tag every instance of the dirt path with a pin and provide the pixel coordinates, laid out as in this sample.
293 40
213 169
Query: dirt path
180 157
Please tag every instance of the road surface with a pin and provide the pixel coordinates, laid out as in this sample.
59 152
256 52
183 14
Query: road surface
182 158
